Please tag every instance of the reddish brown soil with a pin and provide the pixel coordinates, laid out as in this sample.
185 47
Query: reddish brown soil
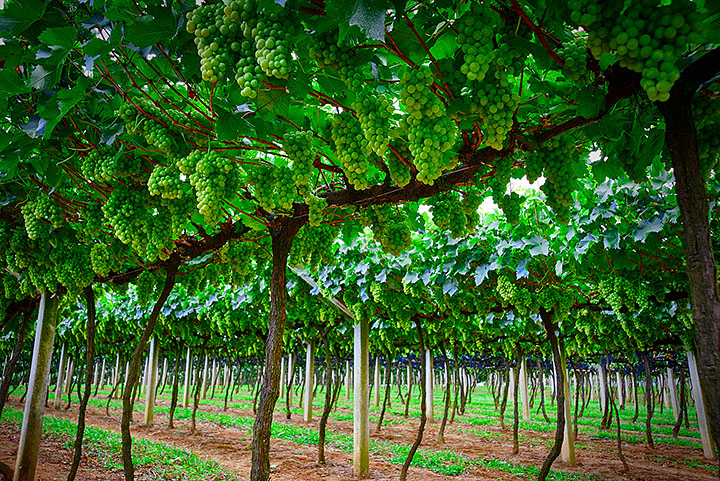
54 460
230 447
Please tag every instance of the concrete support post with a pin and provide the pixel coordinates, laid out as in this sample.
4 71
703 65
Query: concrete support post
376 382
703 424
151 380
102 375
567 451
283 368
186 381
511 391
666 392
31 430
116 374
348 375
60 383
429 368
69 374
203 392
291 377
309 382
620 393
164 371
524 391
602 385
673 393
361 400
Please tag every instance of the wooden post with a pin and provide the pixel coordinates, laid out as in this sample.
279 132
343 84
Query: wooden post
31 430
703 424
673 393
361 401
309 382
151 380
60 383
430 405
524 391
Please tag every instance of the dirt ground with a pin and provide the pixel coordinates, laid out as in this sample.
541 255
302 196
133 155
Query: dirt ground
230 446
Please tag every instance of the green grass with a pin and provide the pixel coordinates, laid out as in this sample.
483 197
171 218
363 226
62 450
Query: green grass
106 446
531 472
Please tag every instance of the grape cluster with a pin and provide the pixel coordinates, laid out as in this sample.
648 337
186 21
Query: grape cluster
475 37
92 222
238 35
313 245
105 258
574 53
145 285
511 205
298 146
316 209
41 208
448 214
399 171
165 182
648 37
389 227
469 205
506 289
285 191
178 211
496 103
262 179
216 179
374 113
239 256
431 133
557 158
326 51
72 265
126 212
348 138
